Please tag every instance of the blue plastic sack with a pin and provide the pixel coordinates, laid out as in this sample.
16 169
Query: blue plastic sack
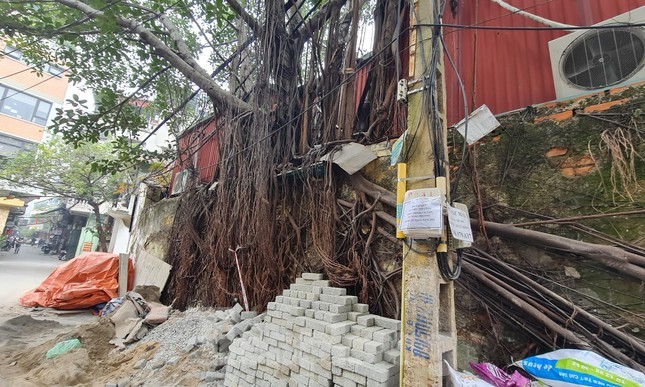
574 367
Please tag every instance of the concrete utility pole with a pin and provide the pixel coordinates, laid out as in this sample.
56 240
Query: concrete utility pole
428 316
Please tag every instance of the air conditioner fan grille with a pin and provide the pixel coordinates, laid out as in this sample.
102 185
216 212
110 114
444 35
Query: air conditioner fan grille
601 58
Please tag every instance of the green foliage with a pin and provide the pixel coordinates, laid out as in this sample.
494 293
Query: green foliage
60 169
117 67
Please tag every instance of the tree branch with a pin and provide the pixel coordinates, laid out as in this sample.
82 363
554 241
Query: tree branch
248 19
318 20
194 72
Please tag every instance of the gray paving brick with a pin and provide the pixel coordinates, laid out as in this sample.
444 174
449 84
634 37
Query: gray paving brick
348 338
313 297
366 321
368 332
353 316
334 291
296 311
340 350
380 372
306 288
328 338
344 382
316 324
313 276
340 300
385 335
363 308
388 323
392 356
304 331
339 328
355 377
325 347
359 343
357 329
374 347
334 308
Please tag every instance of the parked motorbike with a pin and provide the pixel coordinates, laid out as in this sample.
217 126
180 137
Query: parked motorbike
62 255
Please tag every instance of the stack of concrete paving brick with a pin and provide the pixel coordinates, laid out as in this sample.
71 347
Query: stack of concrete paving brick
316 335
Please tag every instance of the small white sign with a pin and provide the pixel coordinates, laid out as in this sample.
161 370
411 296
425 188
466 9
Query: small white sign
421 213
460 225
480 123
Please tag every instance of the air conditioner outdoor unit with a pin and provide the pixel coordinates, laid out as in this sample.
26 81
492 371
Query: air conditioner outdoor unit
585 61
180 182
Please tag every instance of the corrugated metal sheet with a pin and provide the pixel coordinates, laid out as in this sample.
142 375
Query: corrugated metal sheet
360 80
508 70
198 148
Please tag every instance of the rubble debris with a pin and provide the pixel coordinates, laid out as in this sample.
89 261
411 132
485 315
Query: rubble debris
140 364
315 334
150 293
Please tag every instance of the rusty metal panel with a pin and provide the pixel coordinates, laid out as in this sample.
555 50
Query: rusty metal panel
360 80
198 148
508 70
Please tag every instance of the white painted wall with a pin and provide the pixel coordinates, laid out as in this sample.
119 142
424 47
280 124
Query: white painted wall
120 240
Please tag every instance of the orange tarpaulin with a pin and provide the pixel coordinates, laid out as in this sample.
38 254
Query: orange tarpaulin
85 281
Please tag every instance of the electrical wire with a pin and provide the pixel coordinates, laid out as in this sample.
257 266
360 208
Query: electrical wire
455 186
520 28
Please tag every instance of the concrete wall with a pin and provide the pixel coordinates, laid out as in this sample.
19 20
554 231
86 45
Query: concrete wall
152 227
120 237
4 214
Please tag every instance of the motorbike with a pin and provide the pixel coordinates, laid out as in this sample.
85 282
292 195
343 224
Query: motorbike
46 248
62 255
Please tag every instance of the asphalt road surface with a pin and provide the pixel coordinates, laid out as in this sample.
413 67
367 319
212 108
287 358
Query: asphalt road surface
23 271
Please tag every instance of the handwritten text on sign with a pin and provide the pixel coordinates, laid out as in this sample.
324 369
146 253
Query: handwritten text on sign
460 224
421 212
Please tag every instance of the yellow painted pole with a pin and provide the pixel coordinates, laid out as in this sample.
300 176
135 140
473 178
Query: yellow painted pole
402 174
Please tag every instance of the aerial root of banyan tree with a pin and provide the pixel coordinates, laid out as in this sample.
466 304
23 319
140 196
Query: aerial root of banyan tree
313 229
310 231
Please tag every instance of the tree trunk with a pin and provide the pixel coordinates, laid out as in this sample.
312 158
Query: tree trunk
99 227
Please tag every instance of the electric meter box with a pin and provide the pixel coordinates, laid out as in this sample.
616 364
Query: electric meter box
422 214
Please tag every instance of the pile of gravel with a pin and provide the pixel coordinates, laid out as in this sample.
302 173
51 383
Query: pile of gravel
207 331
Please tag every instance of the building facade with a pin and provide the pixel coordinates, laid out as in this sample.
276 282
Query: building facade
28 100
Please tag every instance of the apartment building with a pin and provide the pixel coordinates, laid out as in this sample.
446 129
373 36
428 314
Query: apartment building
28 100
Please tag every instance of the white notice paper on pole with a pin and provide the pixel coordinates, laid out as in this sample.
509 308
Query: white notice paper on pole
421 213
460 224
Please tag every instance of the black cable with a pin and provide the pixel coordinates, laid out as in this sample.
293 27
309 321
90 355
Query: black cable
519 28
454 188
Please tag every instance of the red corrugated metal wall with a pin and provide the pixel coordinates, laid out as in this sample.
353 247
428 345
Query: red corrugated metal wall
198 148
508 70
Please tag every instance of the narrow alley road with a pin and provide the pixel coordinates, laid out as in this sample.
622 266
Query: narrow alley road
22 272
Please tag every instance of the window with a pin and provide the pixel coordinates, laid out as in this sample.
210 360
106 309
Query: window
13 52
16 54
54 70
16 104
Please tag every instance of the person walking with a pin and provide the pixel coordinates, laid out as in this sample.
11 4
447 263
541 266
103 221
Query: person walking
18 242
